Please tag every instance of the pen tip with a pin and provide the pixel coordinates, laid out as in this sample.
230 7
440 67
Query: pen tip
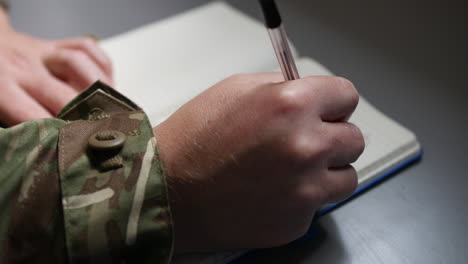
271 13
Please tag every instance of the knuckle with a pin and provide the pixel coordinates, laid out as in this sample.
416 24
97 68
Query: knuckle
310 195
305 148
287 99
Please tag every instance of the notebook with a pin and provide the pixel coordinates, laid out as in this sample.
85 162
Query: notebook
162 65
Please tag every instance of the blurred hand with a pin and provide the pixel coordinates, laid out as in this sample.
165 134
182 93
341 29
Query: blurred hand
38 77
250 160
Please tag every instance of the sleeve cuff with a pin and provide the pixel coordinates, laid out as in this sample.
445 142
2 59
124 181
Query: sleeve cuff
114 196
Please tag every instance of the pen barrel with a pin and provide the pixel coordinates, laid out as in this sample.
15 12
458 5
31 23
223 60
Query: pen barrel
279 39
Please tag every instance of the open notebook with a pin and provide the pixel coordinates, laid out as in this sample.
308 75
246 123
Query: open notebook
163 65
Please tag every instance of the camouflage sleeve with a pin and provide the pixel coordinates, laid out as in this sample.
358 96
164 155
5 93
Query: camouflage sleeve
85 188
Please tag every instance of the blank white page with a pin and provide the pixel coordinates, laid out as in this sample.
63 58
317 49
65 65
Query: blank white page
162 65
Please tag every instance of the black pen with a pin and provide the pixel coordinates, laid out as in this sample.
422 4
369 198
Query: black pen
279 39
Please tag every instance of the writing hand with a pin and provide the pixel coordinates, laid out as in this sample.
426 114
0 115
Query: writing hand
250 160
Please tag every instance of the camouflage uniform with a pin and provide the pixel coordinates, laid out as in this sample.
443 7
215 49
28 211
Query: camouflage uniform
85 188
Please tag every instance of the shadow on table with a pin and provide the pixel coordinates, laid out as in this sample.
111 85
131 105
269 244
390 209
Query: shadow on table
318 244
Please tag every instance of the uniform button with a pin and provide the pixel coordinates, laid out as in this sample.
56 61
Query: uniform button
107 140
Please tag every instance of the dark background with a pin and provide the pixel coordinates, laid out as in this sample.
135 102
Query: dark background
409 58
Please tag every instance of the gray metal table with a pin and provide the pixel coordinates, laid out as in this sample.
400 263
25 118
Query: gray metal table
408 59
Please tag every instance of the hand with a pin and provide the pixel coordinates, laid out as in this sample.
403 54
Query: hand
250 160
38 77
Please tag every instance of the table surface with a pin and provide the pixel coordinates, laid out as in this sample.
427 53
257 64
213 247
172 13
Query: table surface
407 59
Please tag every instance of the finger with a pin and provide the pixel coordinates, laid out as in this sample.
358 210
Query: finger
51 93
75 68
89 47
336 97
16 106
339 184
346 143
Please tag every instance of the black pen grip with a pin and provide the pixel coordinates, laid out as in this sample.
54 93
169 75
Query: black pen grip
271 13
